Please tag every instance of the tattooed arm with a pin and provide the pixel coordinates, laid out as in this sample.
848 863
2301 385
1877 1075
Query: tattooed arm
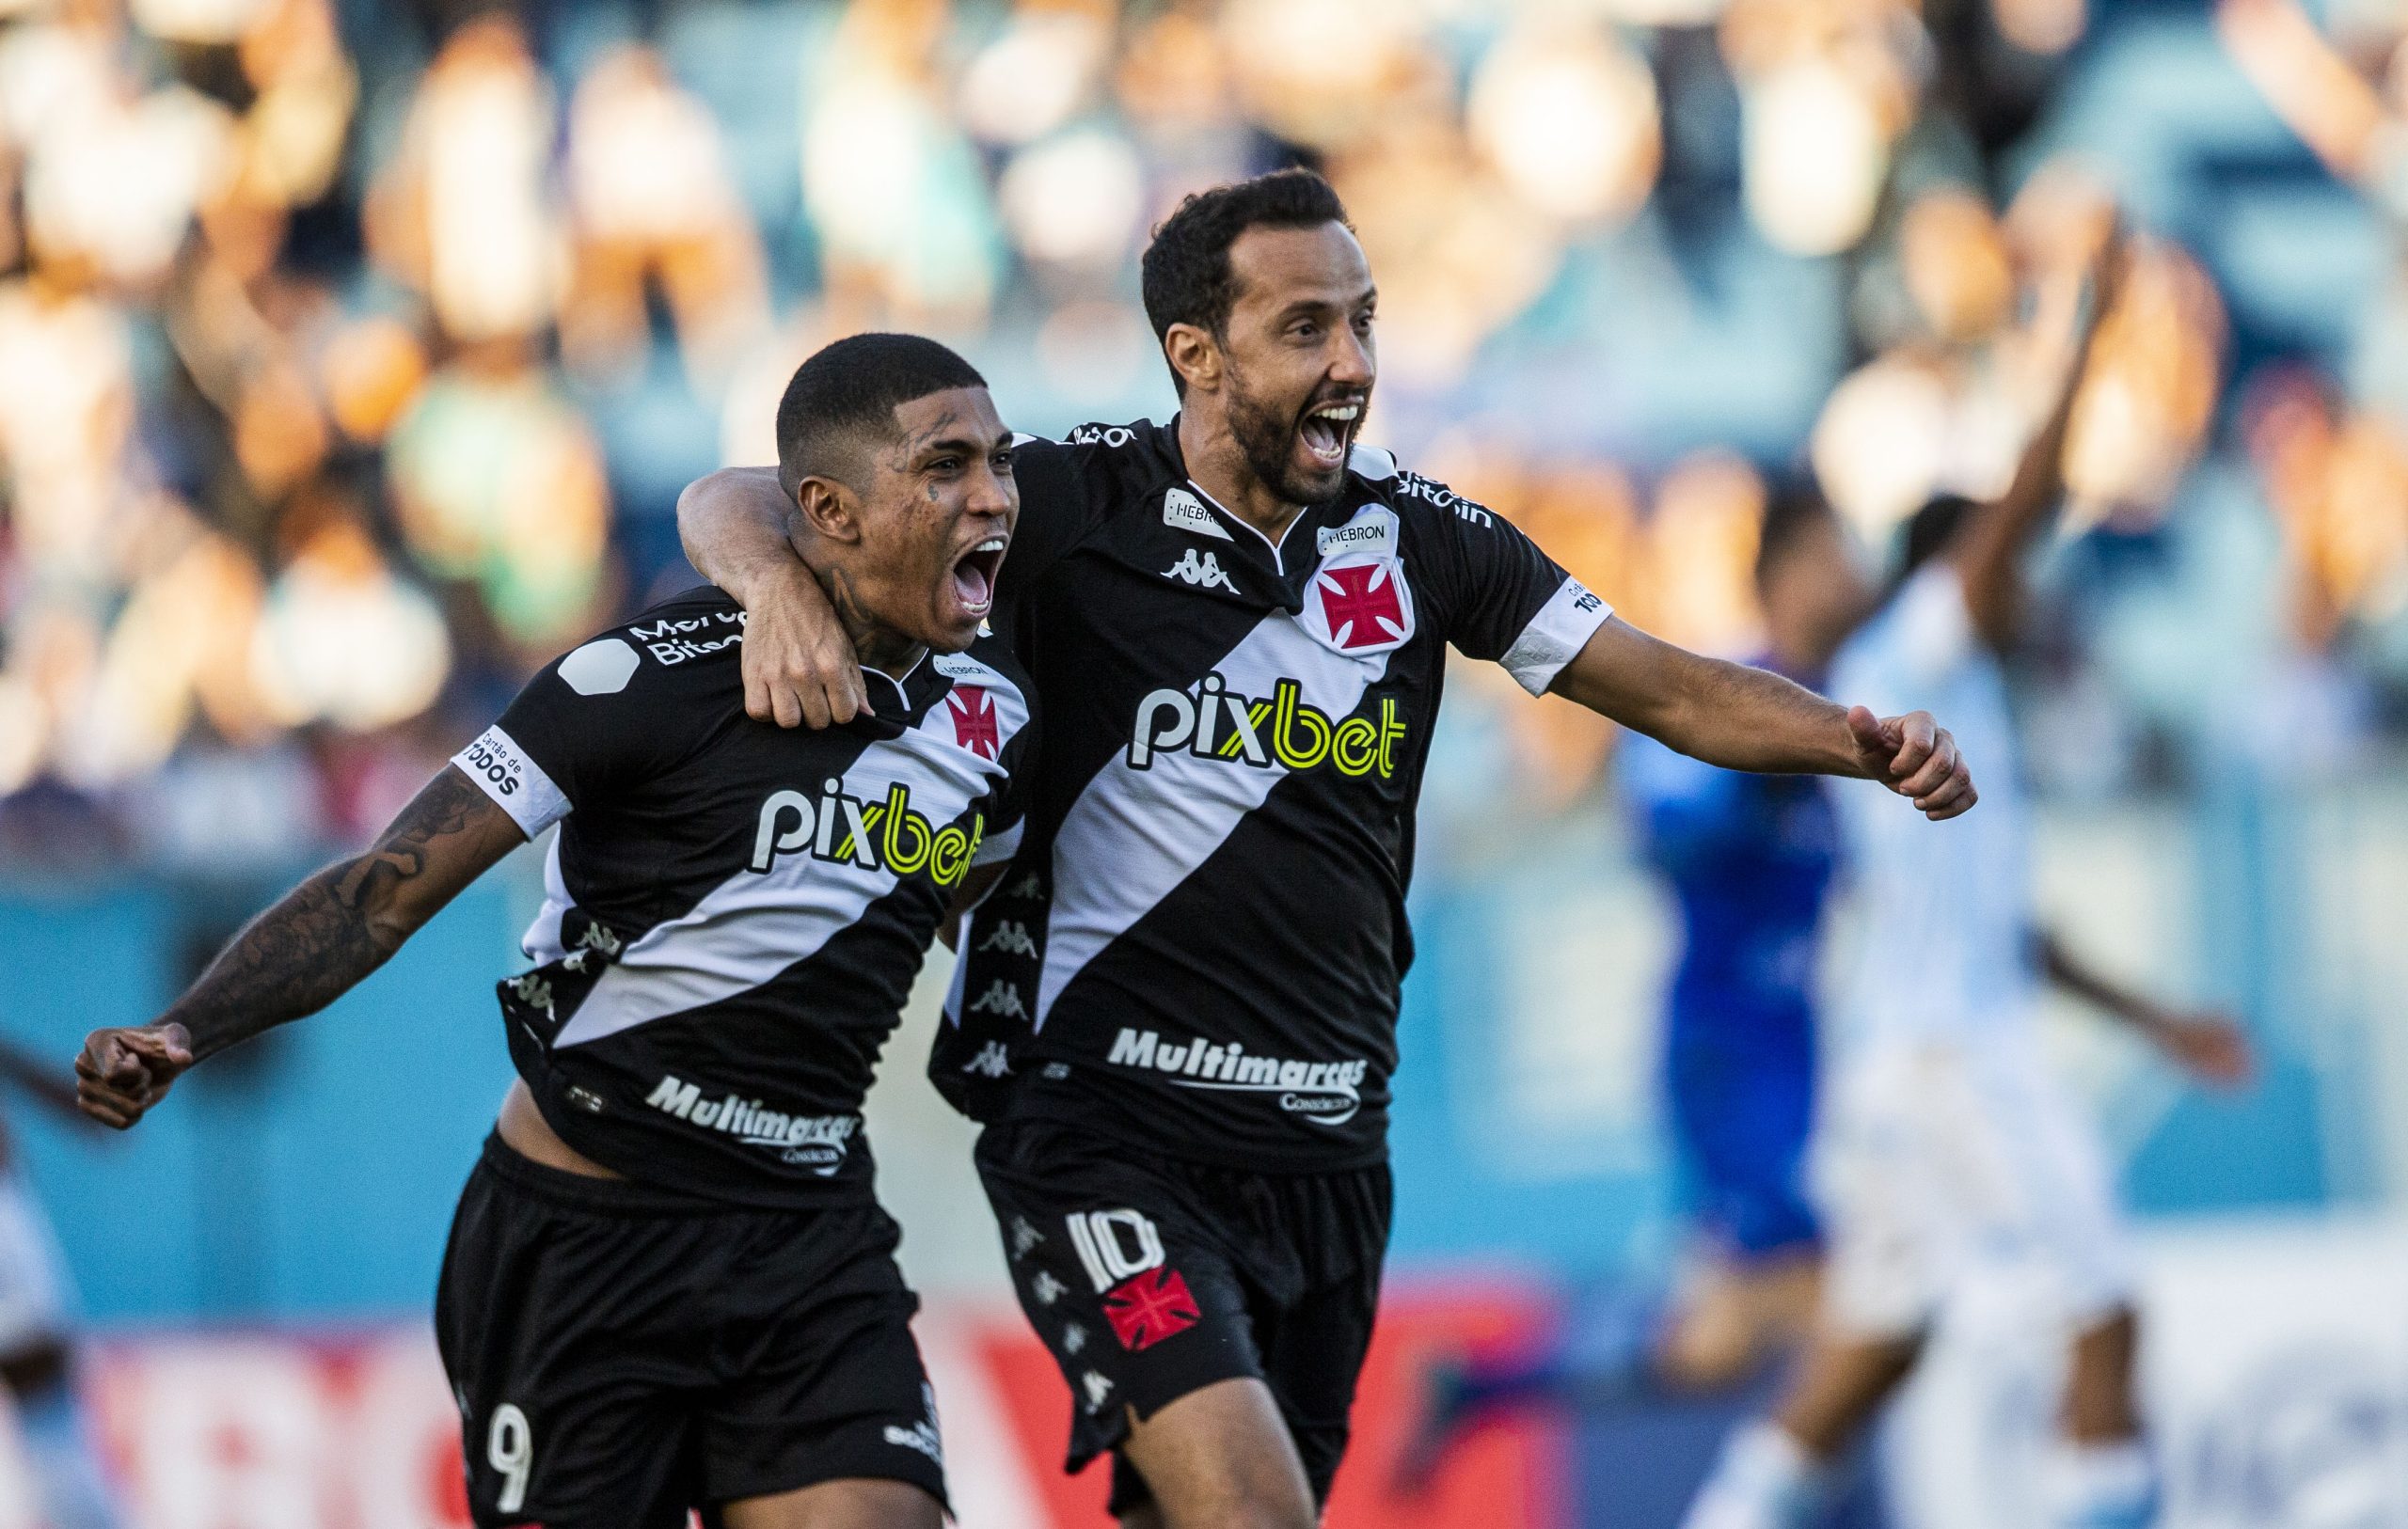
314 946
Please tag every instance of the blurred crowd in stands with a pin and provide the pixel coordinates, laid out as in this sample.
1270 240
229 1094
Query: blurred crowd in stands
352 355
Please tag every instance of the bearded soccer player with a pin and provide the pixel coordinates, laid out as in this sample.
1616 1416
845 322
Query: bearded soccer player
1178 1016
669 1285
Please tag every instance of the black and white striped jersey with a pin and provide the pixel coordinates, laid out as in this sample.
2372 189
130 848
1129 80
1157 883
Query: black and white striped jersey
735 912
1199 944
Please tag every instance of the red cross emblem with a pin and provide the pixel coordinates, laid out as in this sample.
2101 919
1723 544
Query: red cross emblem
974 721
1147 1308
1360 603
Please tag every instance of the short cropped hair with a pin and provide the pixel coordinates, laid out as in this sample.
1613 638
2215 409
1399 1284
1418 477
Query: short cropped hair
848 393
1185 270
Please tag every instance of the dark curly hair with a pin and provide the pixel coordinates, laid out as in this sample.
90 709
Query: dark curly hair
1186 268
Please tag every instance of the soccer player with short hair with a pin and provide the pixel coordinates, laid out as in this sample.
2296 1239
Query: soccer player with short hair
669 1284
1178 1014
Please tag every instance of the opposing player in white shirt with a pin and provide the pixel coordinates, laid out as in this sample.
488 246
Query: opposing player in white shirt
1942 1132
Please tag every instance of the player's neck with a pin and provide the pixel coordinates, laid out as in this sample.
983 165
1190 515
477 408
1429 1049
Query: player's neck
1217 464
875 645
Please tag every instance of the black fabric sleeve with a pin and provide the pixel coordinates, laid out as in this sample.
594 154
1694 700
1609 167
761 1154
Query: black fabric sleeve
1054 511
1504 599
617 711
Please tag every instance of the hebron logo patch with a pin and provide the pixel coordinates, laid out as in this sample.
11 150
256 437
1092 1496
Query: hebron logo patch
601 668
1216 723
975 726
1359 605
1324 1092
1150 1307
814 1141
1373 530
1202 570
876 836
1184 512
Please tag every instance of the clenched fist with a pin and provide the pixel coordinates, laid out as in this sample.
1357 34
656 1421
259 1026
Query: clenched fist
1916 757
123 1071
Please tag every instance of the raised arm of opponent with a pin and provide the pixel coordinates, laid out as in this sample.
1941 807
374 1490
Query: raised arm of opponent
1744 719
318 942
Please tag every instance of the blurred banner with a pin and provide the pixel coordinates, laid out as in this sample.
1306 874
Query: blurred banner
356 1430
2277 1360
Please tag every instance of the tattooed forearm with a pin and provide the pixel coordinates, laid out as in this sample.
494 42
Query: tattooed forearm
330 932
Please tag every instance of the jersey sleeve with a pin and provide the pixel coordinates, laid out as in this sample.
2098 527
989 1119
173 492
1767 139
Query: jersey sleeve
1506 600
587 725
1054 511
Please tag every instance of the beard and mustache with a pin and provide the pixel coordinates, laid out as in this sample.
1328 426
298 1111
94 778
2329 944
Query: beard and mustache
1268 439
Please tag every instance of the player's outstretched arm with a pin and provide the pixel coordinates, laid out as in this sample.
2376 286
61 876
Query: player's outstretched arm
1744 719
314 946
2207 1044
800 668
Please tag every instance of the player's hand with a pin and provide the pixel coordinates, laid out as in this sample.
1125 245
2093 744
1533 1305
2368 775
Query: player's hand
799 668
1916 757
122 1072
2209 1046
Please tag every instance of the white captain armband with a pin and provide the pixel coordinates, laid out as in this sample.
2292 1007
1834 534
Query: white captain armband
1556 634
517 783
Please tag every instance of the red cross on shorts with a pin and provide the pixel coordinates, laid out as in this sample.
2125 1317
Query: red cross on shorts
974 721
1361 604
1147 1308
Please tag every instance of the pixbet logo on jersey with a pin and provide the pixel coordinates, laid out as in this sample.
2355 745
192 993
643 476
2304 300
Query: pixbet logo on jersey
886 835
1216 723
1324 1092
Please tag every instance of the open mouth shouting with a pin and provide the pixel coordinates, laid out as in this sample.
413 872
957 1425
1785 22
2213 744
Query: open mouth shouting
1325 430
973 577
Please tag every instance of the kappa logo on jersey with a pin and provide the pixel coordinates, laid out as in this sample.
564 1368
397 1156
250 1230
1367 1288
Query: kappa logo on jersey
992 1061
1361 604
1001 997
1184 512
922 1435
1046 1288
1200 569
975 726
1324 1092
814 1141
875 836
1216 723
1150 1307
1010 937
1099 1390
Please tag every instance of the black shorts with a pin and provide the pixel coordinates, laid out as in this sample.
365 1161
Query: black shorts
621 1355
1150 1277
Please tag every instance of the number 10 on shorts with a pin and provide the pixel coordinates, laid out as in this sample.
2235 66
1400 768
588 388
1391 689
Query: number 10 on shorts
1115 1244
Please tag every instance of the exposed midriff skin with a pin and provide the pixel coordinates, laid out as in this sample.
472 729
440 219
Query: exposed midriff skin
524 1130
